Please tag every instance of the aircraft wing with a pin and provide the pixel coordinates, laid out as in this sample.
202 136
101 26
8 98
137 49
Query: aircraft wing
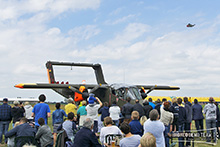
66 90
156 87
49 86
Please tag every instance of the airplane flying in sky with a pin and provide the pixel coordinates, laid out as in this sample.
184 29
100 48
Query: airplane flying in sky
189 25
106 92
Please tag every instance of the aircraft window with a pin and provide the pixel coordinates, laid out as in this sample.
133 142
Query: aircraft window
135 93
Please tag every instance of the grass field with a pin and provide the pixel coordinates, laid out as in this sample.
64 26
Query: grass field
52 108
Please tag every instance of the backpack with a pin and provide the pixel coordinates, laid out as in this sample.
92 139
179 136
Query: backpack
175 111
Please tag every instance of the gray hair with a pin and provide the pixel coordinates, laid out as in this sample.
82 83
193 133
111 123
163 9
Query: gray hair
153 114
88 122
70 100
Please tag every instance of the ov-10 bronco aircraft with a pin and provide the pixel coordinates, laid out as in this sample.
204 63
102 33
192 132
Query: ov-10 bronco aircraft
106 92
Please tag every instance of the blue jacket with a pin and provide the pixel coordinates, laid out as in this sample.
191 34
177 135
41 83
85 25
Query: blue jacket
5 112
152 104
21 130
104 111
136 127
86 138
57 116
197 112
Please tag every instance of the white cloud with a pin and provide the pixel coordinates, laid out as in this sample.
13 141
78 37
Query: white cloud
16 9
84 32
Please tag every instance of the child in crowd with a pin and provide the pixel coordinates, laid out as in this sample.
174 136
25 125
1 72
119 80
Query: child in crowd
136 127
69 126
57 119
143 119
44 134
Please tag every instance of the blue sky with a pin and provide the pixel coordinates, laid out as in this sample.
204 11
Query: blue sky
137 42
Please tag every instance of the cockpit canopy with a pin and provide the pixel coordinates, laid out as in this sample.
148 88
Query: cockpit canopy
124 90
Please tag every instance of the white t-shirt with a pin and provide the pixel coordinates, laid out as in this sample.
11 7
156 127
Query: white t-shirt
92 111
114 112
108 130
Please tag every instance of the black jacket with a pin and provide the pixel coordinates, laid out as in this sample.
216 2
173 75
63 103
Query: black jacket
182 115
127 110
17 113
147 109
138 107
86 138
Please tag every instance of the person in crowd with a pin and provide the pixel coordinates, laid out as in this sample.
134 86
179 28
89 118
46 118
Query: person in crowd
11 140
57 119
28 111
17 112
82 113
151 103
115 111
135 125
129 140
166 118
174 108
23 129
71 107
210 117
104 111
158 105
85 137
127 110
5 118
217 118
41 110
142 120
197 115
138 107
108 129
69 126
92 112
181 121
147 108
44 134
148 140
156 127
188 107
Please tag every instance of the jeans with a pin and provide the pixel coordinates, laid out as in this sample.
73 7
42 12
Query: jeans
181 139
211 124
95 127
3 129
166 131
199 125
187 129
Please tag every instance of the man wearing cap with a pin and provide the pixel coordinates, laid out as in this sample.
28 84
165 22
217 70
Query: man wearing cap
210 113
92 111
5 118
70 107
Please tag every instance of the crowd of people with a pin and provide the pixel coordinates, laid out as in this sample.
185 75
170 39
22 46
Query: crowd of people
136 125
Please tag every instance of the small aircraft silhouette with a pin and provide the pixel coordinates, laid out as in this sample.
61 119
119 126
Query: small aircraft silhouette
189 25
106 92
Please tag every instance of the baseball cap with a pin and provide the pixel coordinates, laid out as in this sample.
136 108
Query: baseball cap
5 99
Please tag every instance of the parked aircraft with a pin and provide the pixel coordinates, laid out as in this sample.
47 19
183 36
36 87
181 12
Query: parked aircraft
106 92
